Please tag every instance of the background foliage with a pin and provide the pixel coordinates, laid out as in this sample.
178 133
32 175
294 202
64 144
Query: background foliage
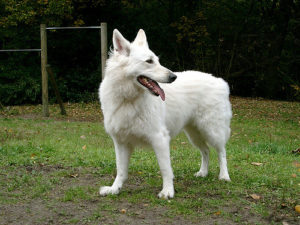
253 44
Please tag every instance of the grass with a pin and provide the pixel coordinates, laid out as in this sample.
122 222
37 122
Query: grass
61 162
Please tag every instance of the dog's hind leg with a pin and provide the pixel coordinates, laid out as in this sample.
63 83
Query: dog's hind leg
161 146
123 153
195 138
224 175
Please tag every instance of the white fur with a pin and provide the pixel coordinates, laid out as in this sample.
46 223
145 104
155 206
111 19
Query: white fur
196 102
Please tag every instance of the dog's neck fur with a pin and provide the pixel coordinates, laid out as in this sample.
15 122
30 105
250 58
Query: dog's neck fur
126 89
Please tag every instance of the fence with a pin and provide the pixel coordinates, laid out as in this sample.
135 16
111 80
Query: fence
44 56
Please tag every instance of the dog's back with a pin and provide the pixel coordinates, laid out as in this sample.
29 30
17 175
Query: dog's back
199 99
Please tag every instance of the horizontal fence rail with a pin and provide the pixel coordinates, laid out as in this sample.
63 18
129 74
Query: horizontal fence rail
20 50
70 28
44 57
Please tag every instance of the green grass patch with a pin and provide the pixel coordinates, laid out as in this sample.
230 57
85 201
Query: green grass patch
63 162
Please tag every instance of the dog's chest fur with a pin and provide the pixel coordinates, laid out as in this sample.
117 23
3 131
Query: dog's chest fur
131 119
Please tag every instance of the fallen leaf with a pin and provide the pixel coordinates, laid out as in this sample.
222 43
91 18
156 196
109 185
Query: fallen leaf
297 208
296 164
256 163
74 175
123 211
82 137
183 143
255 196
285 223
32 155
283 205
84 147
217 213
294 175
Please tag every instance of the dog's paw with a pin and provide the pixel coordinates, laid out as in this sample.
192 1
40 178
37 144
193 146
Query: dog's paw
166 193
108 190
201 174
224 177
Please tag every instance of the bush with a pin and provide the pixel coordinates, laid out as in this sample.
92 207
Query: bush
20 83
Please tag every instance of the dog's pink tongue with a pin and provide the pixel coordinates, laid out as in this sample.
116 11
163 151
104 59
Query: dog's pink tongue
157 89
161 93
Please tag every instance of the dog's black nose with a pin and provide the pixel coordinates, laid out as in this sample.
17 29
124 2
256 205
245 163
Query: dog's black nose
172 77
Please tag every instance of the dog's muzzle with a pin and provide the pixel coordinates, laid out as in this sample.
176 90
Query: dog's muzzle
172 77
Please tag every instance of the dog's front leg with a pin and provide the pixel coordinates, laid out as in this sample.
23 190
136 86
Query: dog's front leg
123 153
161 147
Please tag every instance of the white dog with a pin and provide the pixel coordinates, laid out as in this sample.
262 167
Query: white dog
195 102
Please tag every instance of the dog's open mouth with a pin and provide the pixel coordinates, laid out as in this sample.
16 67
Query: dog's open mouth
152 86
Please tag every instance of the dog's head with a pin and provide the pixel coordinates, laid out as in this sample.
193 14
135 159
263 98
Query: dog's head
142 64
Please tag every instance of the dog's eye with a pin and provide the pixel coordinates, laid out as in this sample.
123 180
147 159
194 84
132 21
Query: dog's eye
150 61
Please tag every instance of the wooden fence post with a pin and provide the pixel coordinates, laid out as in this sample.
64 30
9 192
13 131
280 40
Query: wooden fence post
103 47
44 62
56 91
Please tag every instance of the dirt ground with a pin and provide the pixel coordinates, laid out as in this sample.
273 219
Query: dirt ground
50 209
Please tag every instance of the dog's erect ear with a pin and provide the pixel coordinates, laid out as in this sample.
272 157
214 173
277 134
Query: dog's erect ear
141 38
121 45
